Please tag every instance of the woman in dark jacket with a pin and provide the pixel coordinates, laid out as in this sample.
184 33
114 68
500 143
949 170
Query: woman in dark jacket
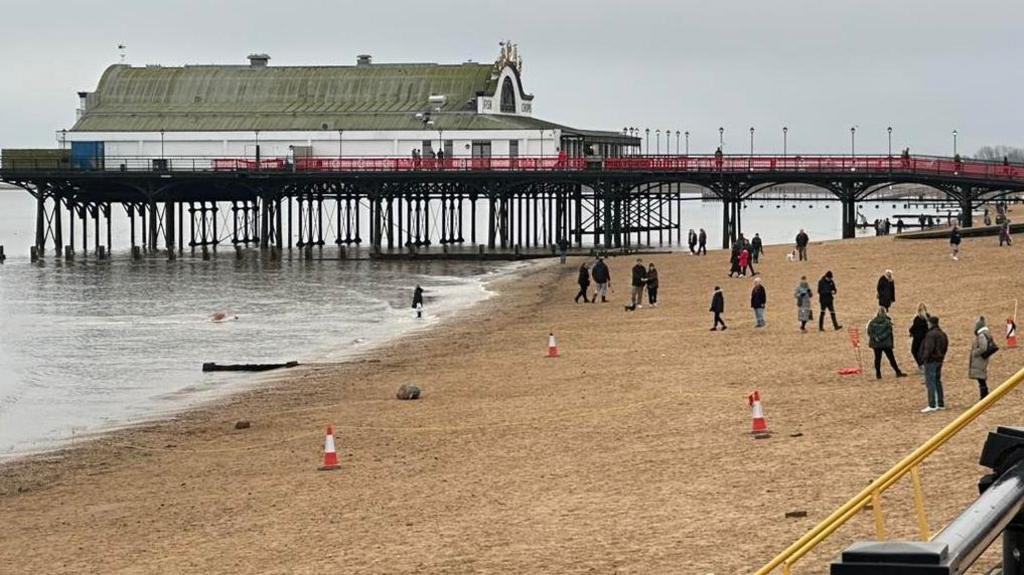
718 308
918 329
584 281
886 290
652 285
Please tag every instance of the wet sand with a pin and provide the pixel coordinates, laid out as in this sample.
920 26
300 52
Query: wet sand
630 453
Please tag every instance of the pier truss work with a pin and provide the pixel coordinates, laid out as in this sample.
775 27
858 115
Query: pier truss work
500 207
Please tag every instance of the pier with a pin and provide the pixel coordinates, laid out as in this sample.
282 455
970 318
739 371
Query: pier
487 207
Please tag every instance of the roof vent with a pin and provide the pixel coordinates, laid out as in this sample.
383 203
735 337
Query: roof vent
259 60
364 60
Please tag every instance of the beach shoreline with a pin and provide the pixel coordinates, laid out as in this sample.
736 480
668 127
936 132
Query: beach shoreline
630 452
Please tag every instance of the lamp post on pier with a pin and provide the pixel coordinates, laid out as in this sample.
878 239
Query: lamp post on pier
687 134
954 144
751 142
677 142
853 135
889 131
657 142
668 141
785 134
647 138
721 138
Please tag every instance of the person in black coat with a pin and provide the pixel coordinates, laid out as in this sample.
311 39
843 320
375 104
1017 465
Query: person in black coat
584 281
734 260
918 329
758 301
417 301
718 308
826 295
886 290
801 245
702 243
603 277
691 240
756 249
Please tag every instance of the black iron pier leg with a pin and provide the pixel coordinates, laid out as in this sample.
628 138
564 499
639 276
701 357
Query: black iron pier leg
71 225
288 199
131 225
96 228
849 218
966 205
40 221
319 220
110 238
181 228
192 225
264 222
152 226
84 212
426 219
168 227
58 230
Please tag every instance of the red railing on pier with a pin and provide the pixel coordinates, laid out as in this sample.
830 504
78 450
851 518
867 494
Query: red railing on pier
817 164
448 164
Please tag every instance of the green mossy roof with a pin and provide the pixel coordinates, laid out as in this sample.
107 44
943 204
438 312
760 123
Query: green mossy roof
243 98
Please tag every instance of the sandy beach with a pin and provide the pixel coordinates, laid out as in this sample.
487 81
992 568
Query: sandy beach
630 453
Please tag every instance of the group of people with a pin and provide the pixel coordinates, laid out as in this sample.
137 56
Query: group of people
643 279
745 253
698 242
803 294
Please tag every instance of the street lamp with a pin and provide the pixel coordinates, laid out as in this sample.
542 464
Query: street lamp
677 142
687 134
668 141
161 144
721 137
954 143
889 130
647 138
751 140
853 134
785 134
657 141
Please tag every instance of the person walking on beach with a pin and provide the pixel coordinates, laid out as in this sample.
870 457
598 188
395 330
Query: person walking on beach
918 329
756 249
880 340
826 295
652 285
639 278
886 290
718 308
982 349
954 243
702 243
899 226
758 302
803 295
734 260
1004 234
584 281
691 240
801 245
745 262
933 353
603 278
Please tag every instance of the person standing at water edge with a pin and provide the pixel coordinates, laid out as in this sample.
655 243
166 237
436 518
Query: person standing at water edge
981 349
718 308
758 302
880 340
603 278
652 285
417 301
584 281
801 245
702 243
756 249
826 293
886 290
933 353
639 278
691 240
803 295
563 249
954 243
918 329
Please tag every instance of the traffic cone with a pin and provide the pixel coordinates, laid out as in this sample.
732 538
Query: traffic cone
552 346
330 455
760 424
1011 333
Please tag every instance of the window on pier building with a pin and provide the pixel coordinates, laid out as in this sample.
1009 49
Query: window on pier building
508 97
481 148
513 148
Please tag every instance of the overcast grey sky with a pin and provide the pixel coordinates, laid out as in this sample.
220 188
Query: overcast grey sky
925 67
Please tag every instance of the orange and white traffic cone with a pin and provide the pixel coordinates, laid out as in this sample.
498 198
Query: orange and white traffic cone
330 454
760 424
1011 333
552 346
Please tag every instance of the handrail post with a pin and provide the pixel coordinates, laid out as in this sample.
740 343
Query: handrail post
922 518
876 510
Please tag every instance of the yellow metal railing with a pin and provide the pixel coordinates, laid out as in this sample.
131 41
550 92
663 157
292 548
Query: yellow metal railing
872 494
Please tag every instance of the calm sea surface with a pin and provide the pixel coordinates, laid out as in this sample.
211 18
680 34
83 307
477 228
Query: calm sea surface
87 346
